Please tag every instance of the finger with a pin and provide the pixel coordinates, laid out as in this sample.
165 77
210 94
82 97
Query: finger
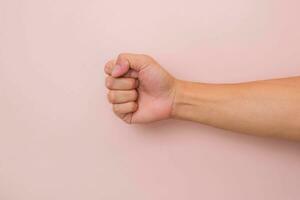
125 61
109 66
120 69
131 74
126 117
124 108
122 96
121 83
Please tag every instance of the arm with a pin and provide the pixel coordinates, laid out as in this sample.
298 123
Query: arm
141 91
266 108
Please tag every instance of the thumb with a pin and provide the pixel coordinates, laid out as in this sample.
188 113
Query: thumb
126 61
120 69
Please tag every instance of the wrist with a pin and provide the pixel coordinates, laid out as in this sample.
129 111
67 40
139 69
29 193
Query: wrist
180 87
193 101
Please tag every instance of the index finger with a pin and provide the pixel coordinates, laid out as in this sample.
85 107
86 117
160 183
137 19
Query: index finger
109 66
127 61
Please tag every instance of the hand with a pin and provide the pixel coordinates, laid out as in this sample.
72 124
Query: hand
140 89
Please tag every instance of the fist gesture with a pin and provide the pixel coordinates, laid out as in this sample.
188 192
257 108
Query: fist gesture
140 90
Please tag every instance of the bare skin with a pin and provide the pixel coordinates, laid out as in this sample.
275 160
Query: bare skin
141 91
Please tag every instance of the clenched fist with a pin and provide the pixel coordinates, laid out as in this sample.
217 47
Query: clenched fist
140 90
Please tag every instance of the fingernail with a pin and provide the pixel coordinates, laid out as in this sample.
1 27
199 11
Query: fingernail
115 70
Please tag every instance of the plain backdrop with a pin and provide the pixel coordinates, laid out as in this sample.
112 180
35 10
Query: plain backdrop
59 139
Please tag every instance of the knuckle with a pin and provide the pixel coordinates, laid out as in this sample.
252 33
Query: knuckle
116 108
111 96
108 98
108 82
107 66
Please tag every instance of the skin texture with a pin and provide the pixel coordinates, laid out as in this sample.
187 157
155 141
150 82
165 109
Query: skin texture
141 91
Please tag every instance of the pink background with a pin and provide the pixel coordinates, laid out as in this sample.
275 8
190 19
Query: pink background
59 138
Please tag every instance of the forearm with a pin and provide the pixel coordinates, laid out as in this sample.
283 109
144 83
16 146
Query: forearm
267 108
